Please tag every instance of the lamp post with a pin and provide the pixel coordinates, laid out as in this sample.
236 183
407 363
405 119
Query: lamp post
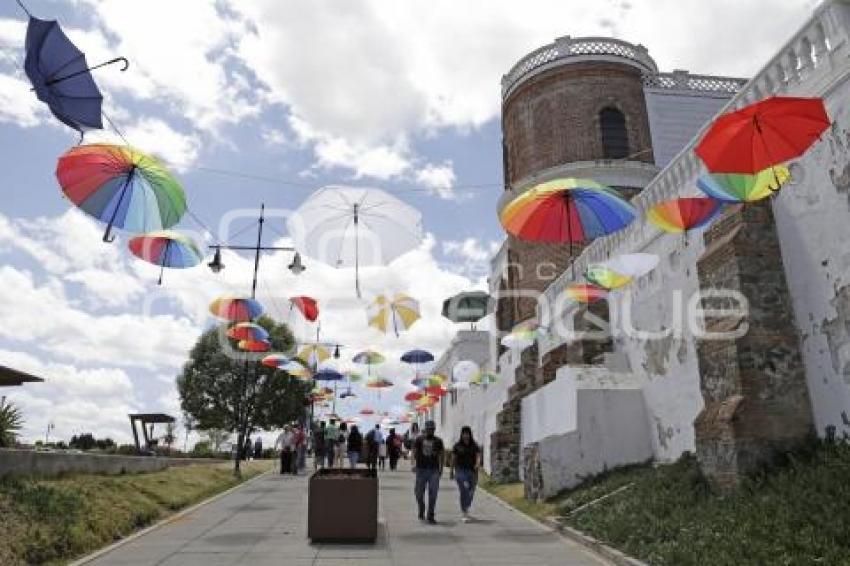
216 265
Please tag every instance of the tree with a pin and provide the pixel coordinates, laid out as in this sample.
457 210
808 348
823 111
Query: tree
237 393
216 437
11 421
83 441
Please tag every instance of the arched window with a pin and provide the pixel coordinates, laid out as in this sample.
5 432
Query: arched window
615 137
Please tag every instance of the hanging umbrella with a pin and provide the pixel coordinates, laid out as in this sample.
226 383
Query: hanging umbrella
438 378
419 381
353 227
236 309
307 306
353 376
122 187
328 374
417 357
276 361
313 354
368 358
413 396
621 270
584 293
762 135
379 383
248 331
566 211
741 187
347 393
166 248
393 315
367 411
254 345
519 338
684 214
61 77
469 306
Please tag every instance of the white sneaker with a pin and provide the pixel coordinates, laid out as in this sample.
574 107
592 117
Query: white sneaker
465 518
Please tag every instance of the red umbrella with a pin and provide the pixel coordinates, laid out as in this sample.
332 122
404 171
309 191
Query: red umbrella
413 396
308 306
763 134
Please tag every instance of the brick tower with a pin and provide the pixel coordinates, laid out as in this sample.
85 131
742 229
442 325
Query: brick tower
574 108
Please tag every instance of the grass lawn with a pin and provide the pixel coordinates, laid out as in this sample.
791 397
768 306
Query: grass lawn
797 514
50 521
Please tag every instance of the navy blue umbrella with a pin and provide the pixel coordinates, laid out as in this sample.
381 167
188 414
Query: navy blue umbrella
328 374
417 357
61 77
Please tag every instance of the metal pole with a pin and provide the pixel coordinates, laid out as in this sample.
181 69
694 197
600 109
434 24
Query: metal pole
257 251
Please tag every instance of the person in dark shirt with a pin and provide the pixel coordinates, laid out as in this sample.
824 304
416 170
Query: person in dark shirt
355 446
466 455
429 459
319 446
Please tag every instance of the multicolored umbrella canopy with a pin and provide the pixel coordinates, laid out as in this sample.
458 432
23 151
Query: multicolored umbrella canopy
413 396
313 354
307 306
121 186
166 248
248 331
437 379
417 357
566 211
762 135
296 369
469 306
61 77
393 315
276 361
353 227
254 345
741 187
369 358
353 376
684 214
621 270
367 411
584 293
236 309
521 337
379 383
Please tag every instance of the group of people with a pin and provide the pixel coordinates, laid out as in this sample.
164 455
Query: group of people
334 446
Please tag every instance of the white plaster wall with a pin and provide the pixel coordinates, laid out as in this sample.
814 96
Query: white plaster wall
610 432
549 410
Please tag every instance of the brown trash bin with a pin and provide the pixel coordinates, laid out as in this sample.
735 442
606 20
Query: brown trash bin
342 505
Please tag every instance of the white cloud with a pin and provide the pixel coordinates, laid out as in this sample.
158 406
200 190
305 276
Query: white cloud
440 178
18 105
470 249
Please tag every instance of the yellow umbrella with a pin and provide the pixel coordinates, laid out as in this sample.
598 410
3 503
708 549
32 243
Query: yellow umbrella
396 314
313 354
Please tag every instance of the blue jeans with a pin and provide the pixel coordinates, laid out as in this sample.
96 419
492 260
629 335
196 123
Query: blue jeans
353 458
466 482
430 478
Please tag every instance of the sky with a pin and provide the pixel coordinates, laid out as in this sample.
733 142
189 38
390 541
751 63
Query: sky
265 101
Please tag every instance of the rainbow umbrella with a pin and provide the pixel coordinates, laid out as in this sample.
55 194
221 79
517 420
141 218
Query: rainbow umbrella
121 186
276 361
166 248
248 331
396 314
606 278
520 338
742 187
621 270
566 211
684 214
584 293
379 383
236 309
254 345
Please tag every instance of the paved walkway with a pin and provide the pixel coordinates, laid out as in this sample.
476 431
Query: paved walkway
264 523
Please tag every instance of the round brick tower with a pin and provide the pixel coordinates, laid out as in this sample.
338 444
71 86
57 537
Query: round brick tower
574 108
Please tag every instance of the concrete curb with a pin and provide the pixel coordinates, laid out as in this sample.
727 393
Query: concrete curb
596 547
617 557
107 549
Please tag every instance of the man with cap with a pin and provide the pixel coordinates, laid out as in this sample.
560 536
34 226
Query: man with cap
429 459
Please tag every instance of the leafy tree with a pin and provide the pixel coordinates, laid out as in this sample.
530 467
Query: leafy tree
168 438
11 422
216 437
220 390
104 443
83 441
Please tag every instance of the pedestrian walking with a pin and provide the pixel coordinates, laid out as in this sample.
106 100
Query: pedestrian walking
246 449
286 443
300 449
382 454
371 450
428 462
331 436
355 446
319 446
258 448
341 447
466 457
394 446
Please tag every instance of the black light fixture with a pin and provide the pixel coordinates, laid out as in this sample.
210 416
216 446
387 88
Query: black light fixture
336 352
296 267
216 265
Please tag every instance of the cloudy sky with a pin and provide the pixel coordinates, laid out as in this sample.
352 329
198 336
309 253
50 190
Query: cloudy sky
263 101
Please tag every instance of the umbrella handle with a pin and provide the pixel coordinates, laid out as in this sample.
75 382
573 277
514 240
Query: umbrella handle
108 236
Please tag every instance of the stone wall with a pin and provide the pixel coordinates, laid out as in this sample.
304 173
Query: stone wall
52 464
754 385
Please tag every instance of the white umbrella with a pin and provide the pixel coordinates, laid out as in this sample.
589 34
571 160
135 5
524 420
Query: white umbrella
350 227
633 265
